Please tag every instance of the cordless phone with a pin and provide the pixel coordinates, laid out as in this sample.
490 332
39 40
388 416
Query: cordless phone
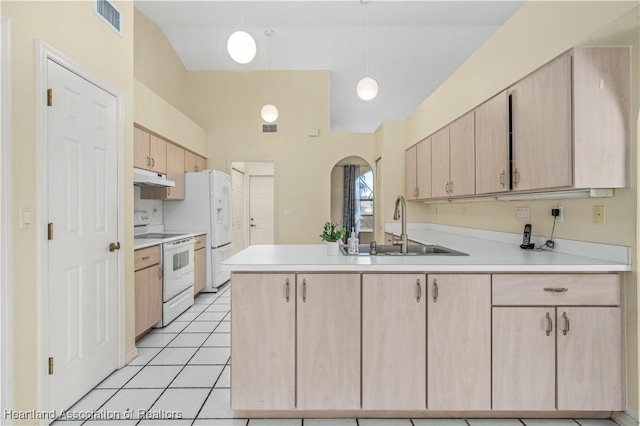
526 238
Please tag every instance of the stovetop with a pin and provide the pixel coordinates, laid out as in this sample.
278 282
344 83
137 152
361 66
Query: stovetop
156 236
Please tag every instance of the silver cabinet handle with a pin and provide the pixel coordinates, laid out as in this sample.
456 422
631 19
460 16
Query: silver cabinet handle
451 187
419 289
556 289
168 192
146 258
148 161
160 273
416 192
516 177
304 290
153 162
502 175
549 324
566 324
287 290
435 291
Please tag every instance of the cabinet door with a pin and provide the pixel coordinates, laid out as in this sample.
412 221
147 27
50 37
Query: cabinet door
410 177
492 145
524 371
189 161
148 302
541 119
263 341
328 341
440 163
462 156
394 342
201 163
158 154
589 359
423 169
459 336
199 270
141 158
175 171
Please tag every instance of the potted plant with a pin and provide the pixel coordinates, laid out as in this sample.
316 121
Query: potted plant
333 237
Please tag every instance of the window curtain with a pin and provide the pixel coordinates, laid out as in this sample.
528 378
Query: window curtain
351 212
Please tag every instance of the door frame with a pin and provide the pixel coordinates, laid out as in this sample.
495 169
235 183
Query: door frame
248 207
6 223
45 53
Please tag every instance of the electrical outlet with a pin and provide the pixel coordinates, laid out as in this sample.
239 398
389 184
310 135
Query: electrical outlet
598 215
560 217
523 214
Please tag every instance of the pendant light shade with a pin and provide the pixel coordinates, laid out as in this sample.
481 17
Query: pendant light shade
269 113
241 47
367 89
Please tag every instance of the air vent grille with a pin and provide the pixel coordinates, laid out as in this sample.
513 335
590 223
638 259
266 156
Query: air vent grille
270 128
109 14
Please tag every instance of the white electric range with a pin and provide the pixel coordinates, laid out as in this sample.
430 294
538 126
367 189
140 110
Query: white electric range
177 257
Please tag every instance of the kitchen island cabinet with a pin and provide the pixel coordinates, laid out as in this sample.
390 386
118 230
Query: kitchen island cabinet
375 336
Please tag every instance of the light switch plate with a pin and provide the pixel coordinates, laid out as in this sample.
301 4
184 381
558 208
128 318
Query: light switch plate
25 218
523 214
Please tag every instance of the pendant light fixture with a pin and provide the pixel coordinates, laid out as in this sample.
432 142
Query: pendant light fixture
269 112
367 88
241 46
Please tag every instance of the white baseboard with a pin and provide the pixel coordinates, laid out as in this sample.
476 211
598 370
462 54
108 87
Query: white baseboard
624 419
131 355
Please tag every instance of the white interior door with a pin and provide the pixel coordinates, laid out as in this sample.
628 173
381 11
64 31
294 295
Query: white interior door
237 203
82 206
261 206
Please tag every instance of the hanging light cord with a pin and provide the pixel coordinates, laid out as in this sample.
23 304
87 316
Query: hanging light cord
367 38
269 34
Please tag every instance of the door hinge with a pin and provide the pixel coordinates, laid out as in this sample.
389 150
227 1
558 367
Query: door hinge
50 231
51 365
49 97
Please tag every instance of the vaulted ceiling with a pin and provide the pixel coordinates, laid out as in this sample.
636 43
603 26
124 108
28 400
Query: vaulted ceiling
413 45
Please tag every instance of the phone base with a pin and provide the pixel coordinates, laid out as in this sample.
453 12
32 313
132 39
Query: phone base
527 246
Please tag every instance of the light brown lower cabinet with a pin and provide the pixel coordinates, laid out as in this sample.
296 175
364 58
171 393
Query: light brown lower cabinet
200 270
589 358
524 368
459 342
328 341
148 298
394 341
588 354
263 309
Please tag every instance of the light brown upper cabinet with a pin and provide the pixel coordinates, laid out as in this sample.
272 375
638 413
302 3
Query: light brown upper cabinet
541 128
194 162
417 178
492 146
570 122
453 159
175 172
149 151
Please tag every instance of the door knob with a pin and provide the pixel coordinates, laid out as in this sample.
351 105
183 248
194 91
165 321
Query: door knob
114 246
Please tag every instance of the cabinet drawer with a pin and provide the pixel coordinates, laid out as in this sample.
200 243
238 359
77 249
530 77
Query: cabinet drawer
565 289
146 257
201 241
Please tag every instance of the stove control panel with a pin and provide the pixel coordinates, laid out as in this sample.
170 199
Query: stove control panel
141 218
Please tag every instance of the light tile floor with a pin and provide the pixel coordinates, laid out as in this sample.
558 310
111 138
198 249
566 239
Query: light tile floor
184 367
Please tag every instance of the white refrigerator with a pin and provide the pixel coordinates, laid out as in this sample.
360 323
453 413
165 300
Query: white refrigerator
206 207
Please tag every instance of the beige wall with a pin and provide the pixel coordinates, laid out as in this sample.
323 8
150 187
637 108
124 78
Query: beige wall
153 112
538 32
156 64
73 29
228 105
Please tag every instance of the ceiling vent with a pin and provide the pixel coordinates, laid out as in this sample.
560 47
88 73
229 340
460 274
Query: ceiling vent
109 14
270 128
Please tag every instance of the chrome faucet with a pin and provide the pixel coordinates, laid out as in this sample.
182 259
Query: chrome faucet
401 213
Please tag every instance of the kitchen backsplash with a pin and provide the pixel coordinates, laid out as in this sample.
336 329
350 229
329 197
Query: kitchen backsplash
154 207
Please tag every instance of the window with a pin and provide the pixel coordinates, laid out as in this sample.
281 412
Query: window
366 202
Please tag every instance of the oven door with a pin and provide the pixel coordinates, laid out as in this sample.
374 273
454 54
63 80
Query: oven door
178 267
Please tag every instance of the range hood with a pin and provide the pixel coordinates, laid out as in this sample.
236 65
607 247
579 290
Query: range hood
147 178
